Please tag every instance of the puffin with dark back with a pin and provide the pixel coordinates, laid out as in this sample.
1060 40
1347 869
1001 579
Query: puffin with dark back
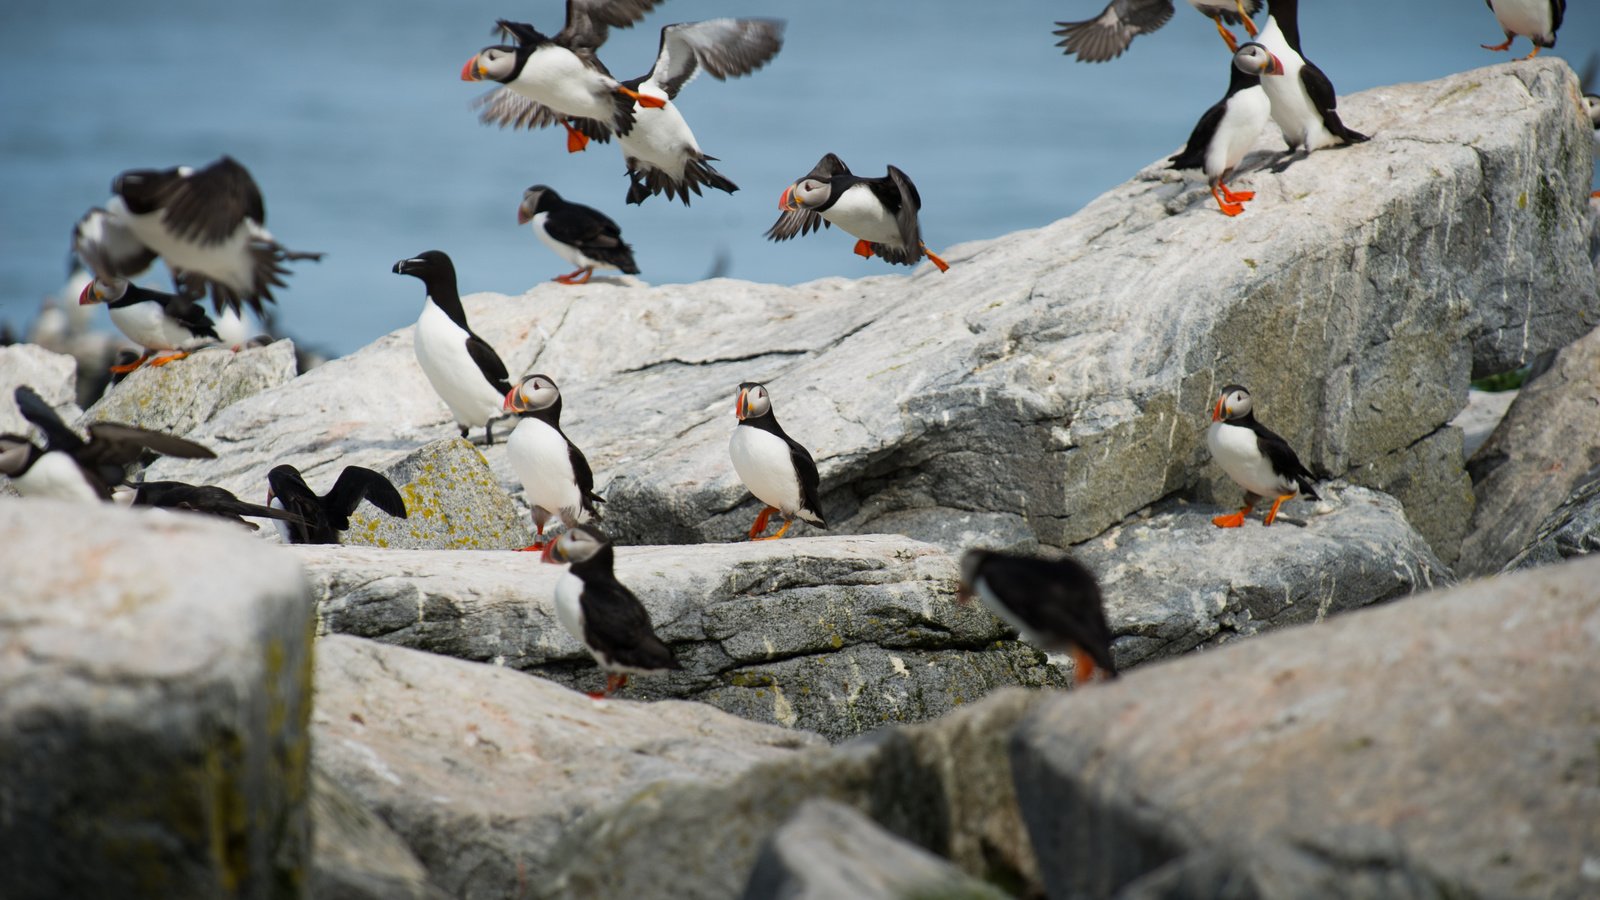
158 322
1536 20
600 611
1107 35
1226 132
880 212
776 468
549 80
581 235
1304 103
556 479
464 370
204 499
71 468
108 248
1255 457
317 519
1054 604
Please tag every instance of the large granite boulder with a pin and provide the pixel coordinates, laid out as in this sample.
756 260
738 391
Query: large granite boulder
355 856
54 376
179 396
1444 746
1572 530
453 502
155 692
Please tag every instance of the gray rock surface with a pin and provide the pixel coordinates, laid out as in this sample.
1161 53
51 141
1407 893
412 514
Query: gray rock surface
1572 530
53 375
179 396
828 851
1548 441
155 691
482 770
1481 417
1444 746
1429 479
355 856
453 502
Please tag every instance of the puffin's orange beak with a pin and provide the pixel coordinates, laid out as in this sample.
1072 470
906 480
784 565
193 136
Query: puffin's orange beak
469 72
1277 65
741 406
84 298
1216 411
523 216
786 199
511 401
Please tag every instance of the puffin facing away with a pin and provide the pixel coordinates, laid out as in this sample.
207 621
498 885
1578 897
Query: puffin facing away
463 369
1107 35
1303 100
556 479
1224 134
1536 20
1054 605
880 212
581 235
317 519
776 468
604 616
156 321
1256 458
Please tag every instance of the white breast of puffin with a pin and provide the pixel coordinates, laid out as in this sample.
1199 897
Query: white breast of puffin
1237 451
764 464
859 212
542 460
569 610
1530 18
1246 115
557 78
660 137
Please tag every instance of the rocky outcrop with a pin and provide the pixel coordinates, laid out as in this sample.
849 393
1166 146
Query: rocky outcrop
482 770
179 396
1444 746
357 857
156 678
54 376
453 502
1572 530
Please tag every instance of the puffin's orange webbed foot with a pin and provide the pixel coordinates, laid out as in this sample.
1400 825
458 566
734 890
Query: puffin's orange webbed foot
934 258
129 367
576 140
166 359
1228 207
1227 36
1232 520
773 537
863 248
761 522
1248 25
1083 667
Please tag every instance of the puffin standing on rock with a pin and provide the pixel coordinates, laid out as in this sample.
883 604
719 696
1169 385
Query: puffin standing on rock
1256 458
581 235
1054 605
158 322
1107 35
1536 20
776 468
1303 100
880 212
1227 130
463 369
317 519
602 614
556 479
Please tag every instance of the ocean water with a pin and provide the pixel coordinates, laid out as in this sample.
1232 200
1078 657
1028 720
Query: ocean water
352 117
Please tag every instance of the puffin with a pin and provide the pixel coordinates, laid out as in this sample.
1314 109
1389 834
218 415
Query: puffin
463 369
556 479
209 225
560 79
157 321
1054 604
71 468
1107 35
1303 100
1226 131
602 614
107 247
660 151
1536 20
318 520
1255 457
776 468
880 212
205 499
581 235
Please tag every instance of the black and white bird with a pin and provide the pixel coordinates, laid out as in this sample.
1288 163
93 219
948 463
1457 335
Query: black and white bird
1054 604
600 611
71 468
1303 100
159 322
661 152
1536 20
463 369
776 468
1256 458
1226 132
549 80
317 519
880 212
556 479
581 235
209 225
204 499
108 248
1107 35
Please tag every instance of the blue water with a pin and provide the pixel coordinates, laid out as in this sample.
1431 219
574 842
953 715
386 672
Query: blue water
353 119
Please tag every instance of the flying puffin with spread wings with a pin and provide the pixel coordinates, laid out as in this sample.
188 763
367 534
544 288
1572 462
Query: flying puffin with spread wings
1107 35
880 212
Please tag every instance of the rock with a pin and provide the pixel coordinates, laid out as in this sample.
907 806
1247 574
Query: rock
1535 459
1482 414
1444 746
1572 530
482 770
357 857
179 396
1430 481
54 376
827 850
453 502
157 689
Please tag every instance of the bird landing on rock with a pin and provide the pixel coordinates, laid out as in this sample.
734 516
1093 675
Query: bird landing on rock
1054 604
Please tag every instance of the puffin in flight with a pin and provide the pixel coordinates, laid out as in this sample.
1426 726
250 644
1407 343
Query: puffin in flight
581 235
600 611
1226 132
1256 458
317 519
198 498
556 479
209 225
776 468
1107 35
547 80
1054 604
1303 100
1536 20
880 212
463 369
660 151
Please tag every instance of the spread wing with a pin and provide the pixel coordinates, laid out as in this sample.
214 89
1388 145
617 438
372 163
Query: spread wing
209 205
113 447
107 247
57 436
907 203
724 48
1105 36
355 483
796 222
489 363
509 109
589 21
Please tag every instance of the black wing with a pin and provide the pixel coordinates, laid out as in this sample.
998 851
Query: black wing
589 21
585 478
1558 11
355 483
796 222
1058 597
592 232
906 203
107 247
57 436
1193 155
191 315
208 499
1284 461
1105 36
810 482
617 626
489 363
113 447
725 48
1320 89
211 204
509 109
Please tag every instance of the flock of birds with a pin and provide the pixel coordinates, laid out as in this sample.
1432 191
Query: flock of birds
209 226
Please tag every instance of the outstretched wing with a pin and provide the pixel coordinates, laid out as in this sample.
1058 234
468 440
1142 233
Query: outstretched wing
208 206
724 48
107 247
355 483
795 222
589 21
909 202
57 436
509 109
1105 36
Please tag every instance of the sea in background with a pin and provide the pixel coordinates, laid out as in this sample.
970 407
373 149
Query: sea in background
353 119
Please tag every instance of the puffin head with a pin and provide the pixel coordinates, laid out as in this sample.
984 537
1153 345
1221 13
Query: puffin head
102 290
497 63
285 479
532 393
576 545
807 193
1255 59
428 265
753 401
1234 403
535 200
